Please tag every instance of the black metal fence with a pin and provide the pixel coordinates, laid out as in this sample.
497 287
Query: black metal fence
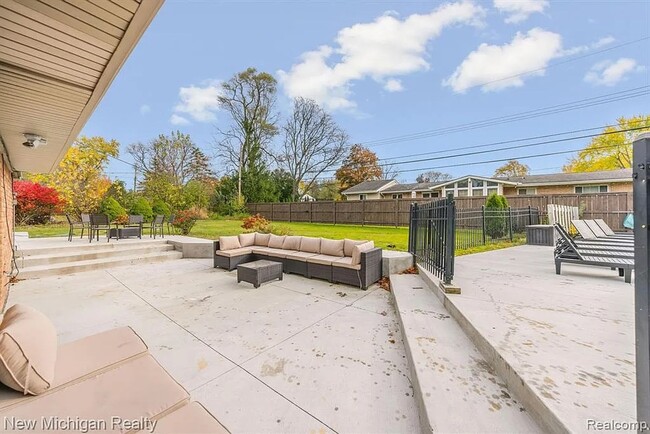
431 236
476 227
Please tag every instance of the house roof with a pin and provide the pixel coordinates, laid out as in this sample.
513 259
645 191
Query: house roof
620 175
483 178
59 61
370 186
416 186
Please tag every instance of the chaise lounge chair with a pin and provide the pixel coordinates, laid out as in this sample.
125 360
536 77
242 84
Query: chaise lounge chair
591 232
603 226
97 378
567 251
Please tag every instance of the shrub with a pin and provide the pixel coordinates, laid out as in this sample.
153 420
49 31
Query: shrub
35 202
185 220
496 217
200 212
160 207
256 223
112 208
141 206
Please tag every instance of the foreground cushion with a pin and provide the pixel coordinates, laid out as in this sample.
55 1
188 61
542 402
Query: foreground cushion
331 247
322 259
28 345
229 243
235 252
356 252
346 263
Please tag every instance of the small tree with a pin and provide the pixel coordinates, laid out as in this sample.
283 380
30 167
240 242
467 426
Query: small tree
35 202
512 168
496 223
112 209
142 207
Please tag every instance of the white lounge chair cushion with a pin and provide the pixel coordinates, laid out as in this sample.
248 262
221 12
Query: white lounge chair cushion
310 245
332 247
229 243
139 388
346 263
291 243
348 245
262 240
28 345
247 240
323 259
276 241
356 252
235 252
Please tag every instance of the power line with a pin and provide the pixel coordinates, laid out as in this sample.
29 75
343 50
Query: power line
502 142
544 111
528 145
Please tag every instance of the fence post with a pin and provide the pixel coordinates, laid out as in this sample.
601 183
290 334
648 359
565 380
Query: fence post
510 220
272 212
640 181
363 213
289 212
530 215
412 227
311 211
483 220
396 212
450 245
334 203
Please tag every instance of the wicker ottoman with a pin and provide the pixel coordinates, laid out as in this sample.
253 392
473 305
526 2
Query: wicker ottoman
258 272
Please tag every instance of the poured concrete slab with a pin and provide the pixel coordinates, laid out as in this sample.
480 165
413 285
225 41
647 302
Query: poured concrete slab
214 335
394 262
567 339
450 376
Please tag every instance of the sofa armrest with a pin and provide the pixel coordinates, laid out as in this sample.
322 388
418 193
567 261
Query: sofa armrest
216 246
372 256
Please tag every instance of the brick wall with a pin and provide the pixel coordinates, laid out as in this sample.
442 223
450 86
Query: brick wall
615 187
6 229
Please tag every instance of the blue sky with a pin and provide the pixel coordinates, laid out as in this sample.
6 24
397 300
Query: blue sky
388 69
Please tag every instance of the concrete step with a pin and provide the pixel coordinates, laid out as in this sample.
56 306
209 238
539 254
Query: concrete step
39 271
83 246
58 257
456 389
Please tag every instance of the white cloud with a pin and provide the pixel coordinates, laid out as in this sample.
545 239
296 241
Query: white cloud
144 109
381 50
178 120
496 67
519 10
199 102
608 73
593 46
393 85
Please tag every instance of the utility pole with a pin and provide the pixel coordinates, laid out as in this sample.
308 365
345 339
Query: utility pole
640 180
135 176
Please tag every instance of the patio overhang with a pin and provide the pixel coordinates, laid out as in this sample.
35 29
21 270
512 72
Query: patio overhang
57 59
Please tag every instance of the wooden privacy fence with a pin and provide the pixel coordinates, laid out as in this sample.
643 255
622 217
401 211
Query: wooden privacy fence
611 207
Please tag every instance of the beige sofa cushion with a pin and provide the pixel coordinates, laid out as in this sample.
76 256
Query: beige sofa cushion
331 247
192 418
276 241
247 240
277 253
300 256
348 245
310 244
323 259
260 250
346 263
28 345
262 240
228 243
137 388
235 252
356 252
291 243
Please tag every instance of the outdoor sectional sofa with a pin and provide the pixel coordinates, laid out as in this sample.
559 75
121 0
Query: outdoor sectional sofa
351 262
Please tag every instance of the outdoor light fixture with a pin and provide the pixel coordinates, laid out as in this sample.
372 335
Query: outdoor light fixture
33 140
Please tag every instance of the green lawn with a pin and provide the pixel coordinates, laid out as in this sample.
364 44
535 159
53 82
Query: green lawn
386 237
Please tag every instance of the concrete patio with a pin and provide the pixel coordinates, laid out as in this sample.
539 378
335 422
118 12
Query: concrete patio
296 355
564 344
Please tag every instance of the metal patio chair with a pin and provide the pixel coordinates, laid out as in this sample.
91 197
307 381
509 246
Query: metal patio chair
98 223
170 225
73 225
85 221
156 226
